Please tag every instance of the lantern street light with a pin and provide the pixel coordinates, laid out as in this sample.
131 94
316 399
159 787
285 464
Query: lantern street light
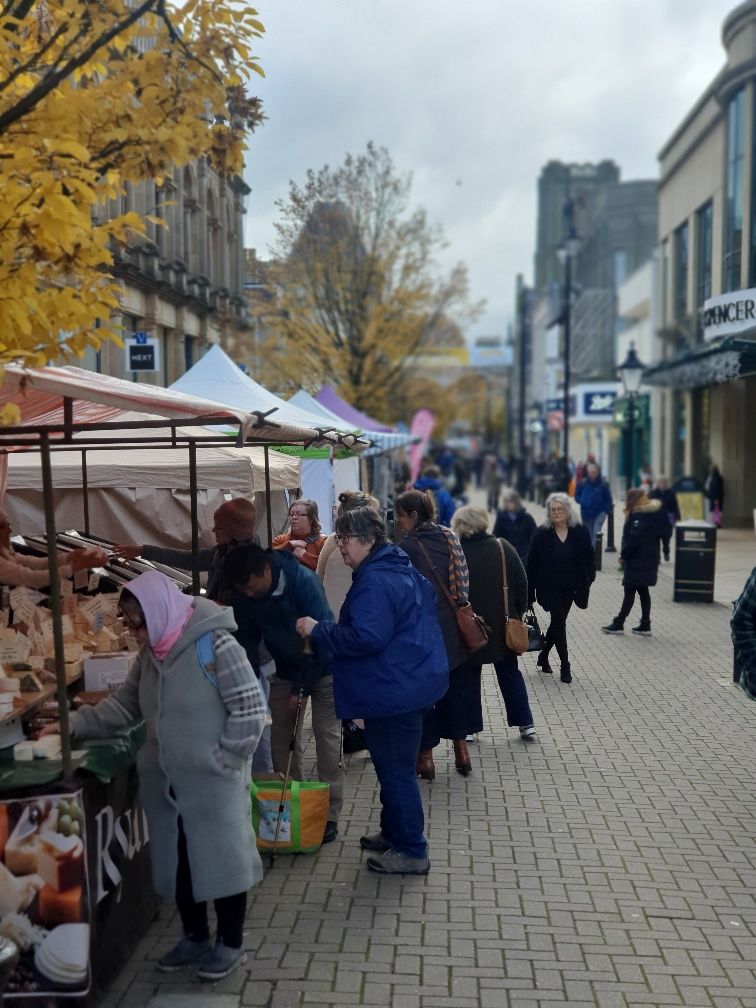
631 374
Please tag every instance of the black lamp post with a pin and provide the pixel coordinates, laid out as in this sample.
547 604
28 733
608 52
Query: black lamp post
631 374
566 251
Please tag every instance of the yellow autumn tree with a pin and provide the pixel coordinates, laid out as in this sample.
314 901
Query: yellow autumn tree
95 93
359 288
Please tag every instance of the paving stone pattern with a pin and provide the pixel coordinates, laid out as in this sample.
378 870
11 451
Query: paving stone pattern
609 863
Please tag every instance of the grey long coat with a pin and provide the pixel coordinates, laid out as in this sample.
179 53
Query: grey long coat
199 736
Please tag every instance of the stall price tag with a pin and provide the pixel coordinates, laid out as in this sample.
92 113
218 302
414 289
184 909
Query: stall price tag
81 579
23 647
66 587
67 624
8 652
19 597
93 610
94 582
25 613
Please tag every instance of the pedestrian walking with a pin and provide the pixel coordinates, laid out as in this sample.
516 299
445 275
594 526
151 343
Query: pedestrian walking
714 494
437 554
304 538
272 591
645 533
430 480
485 555
663 492
193 767
743 629
514 524
595 500
389 665
561 568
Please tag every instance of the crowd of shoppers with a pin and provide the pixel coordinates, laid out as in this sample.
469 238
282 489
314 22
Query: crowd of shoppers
363 631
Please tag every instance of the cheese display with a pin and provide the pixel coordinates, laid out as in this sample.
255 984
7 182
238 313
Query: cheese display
59 862
43 892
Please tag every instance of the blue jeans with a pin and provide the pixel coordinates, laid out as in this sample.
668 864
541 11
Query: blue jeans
594 524
393 743
514 692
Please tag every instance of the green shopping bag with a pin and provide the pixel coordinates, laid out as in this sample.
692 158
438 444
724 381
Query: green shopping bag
302 822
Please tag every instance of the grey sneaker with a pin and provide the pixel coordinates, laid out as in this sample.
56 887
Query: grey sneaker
375 842
220 961
527 731
187 952
393 862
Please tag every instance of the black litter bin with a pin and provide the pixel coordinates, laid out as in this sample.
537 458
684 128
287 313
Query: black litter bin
695 555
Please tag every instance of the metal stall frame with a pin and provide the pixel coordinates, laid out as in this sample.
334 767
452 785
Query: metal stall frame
23 438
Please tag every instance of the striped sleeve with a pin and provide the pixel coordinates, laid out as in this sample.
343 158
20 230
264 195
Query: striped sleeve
242 696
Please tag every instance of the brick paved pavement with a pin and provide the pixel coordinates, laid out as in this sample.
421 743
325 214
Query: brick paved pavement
609 863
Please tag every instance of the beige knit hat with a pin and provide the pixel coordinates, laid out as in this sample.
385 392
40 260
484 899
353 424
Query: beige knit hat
237 518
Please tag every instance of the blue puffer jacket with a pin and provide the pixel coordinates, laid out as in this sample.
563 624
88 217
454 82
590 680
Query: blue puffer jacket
594 497
387 652
444 500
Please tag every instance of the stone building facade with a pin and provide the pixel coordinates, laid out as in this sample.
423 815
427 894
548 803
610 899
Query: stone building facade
183 285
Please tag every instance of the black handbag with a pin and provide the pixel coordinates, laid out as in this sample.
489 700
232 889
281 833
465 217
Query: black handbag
535 636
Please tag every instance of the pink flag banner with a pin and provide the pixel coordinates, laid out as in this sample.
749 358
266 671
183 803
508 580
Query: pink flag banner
422 426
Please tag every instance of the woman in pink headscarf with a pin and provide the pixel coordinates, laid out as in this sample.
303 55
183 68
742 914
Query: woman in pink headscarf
203 722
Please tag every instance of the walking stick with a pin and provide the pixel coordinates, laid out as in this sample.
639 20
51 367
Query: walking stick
292 743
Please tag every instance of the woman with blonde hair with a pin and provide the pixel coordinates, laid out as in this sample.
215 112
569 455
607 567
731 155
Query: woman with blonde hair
561 568
304 538
646 529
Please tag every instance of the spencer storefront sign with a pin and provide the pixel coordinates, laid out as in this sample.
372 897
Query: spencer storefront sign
729 314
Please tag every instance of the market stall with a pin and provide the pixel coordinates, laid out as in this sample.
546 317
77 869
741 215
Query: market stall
74 876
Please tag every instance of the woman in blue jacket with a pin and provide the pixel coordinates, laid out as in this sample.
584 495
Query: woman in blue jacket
389 663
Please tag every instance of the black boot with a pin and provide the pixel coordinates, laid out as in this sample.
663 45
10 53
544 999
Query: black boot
565 674
543 662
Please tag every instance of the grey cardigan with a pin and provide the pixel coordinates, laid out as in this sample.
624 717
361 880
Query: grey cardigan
194 762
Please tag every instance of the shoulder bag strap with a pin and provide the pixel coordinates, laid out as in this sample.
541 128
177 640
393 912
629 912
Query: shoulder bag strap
504 579
439 581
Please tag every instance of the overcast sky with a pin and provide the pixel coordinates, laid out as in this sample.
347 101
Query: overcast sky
473 98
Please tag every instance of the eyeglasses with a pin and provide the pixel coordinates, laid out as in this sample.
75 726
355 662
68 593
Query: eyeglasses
129 621
298 514
344 539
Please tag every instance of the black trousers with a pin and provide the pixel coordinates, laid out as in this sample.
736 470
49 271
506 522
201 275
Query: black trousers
627 603
229 910
556 635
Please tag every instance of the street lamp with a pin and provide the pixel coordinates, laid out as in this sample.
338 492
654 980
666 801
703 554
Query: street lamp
631 374
566 251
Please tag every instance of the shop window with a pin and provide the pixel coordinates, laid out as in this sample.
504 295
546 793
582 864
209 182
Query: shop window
665 281
703 260
734 199
680 299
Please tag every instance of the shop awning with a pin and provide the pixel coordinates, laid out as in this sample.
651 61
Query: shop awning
705 364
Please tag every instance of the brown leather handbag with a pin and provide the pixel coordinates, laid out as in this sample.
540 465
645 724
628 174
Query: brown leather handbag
473 629
515 630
